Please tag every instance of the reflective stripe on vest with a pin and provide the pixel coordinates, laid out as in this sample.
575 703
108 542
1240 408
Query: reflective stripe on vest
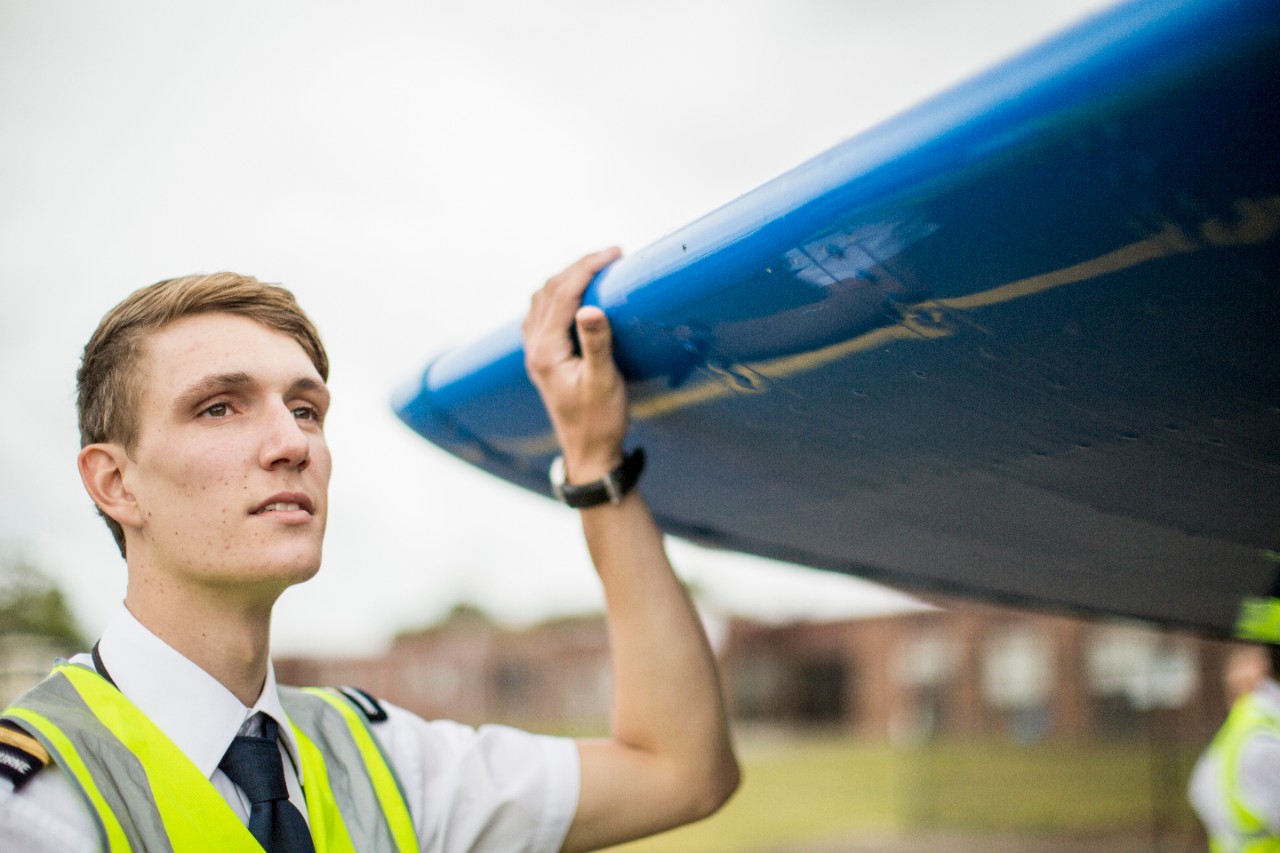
375 797
146 795
1247 719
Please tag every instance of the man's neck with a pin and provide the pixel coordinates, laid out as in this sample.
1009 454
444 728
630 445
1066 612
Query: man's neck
230 640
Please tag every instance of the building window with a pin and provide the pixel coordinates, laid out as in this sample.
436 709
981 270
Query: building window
513 681
1017 676
820 689
924 663
1132 670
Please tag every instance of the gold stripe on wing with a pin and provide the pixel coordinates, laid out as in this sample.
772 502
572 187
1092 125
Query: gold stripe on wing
1257 221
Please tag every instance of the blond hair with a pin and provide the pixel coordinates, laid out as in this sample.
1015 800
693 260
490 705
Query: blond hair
109 383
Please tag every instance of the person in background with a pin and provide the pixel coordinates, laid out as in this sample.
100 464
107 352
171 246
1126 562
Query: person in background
202 407
1235 786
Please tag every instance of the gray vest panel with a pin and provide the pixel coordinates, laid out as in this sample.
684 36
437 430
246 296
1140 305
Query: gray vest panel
115 770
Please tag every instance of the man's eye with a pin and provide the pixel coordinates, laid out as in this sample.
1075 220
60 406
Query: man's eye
218 410
306 413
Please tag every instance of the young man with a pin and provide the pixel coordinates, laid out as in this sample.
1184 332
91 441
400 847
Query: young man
202 406
1235 786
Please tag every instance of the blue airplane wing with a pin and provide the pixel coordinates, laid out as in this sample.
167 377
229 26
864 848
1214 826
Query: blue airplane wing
1021 342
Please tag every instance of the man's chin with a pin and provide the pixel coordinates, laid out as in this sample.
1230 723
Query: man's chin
289 570
301 571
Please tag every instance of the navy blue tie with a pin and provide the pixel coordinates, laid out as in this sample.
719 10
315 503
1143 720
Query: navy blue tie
253 764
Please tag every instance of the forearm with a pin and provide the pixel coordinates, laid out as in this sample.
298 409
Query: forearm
667 695
668 724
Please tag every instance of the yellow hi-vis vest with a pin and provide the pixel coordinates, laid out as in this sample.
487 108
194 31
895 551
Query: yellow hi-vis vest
147 796
1247 719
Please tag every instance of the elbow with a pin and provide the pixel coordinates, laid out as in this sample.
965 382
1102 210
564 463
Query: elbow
728 780
716 787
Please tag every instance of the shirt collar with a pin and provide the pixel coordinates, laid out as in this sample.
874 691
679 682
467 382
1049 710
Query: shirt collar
190 706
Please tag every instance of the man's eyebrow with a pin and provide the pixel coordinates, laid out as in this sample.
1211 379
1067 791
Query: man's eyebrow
307 385
207 386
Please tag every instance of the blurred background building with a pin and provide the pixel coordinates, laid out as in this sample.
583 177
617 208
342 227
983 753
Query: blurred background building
962 670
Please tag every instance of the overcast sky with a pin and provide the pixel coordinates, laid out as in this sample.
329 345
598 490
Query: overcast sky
412 171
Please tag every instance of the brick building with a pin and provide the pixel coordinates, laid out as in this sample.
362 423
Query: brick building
964 670
551 677
970 670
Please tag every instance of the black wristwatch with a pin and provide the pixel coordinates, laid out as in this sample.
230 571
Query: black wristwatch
609 489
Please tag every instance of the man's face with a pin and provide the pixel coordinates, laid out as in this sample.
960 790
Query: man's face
231 470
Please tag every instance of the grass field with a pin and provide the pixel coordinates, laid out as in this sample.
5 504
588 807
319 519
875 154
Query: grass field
800 790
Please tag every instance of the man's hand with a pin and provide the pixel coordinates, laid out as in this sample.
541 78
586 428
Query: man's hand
585 396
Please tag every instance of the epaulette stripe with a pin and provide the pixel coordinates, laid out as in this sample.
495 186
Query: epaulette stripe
370 707
26 743
21 755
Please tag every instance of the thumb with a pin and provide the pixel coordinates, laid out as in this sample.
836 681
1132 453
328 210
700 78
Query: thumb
594 336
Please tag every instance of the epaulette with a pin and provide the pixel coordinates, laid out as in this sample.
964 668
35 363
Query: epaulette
370 707
21 755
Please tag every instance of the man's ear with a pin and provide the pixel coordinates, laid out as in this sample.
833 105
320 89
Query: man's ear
102 470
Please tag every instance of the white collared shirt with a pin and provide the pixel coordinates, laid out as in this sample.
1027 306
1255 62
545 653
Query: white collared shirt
493 788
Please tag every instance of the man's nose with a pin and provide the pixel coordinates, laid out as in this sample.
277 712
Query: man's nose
284 442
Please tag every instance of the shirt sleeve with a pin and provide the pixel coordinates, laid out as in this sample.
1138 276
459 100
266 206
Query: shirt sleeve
45 816
494 788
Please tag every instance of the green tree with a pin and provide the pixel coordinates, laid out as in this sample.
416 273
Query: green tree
32 603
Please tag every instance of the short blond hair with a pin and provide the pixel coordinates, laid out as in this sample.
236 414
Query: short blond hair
108 383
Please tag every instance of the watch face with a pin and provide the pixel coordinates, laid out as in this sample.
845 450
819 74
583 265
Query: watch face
556 474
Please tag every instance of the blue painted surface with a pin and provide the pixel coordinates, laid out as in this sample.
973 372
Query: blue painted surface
1019 342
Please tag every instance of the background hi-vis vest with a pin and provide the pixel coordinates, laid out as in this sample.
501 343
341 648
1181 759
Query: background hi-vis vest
147 796
1247 719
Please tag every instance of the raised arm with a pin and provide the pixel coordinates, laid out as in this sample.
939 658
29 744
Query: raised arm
669 760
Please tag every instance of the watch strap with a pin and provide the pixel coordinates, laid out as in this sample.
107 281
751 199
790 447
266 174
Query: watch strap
611 488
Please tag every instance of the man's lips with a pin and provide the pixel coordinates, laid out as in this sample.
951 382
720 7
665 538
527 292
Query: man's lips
288 502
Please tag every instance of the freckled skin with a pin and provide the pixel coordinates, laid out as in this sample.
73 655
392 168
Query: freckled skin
199 472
